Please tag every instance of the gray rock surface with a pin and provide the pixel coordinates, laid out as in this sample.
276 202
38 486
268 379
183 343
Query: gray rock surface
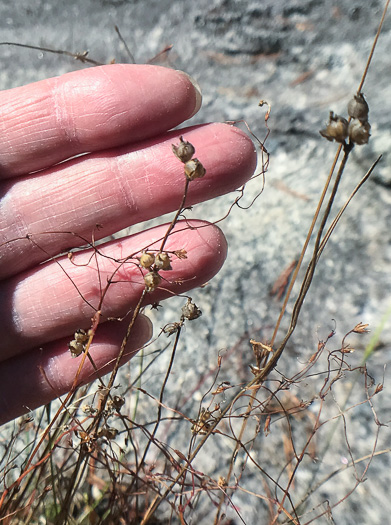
305 58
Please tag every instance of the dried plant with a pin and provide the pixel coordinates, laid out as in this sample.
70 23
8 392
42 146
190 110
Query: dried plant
97 456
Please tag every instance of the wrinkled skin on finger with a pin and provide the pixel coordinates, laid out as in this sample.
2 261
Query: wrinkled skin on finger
86 149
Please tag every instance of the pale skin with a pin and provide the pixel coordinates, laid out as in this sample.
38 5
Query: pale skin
118 117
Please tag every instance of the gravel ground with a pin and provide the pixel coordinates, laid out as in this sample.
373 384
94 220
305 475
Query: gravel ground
305 58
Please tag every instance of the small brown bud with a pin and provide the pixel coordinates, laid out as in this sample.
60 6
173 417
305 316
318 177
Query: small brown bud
152 281
184 151
162 261
194 169
359 132
147 260
191 311
358 108
337 129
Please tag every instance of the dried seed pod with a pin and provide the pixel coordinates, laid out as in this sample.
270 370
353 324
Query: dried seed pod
222 482
81 336
88 409
184 151
181 254
152 281
202 425
359 132
107 432
147 260
171 328
116 403
163 261
358 108
337 129
78 344
191 311
76 348
194 169
255 369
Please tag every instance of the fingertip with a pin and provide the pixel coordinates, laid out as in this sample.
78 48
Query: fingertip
145 330
197 91
210 246
228 155
206 250
238 148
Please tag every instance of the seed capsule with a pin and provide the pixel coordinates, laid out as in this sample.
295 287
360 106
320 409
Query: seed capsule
78 344
76 348
162 261
152 281
191 311
194 169
358 108
202 425
115 403
147 260
337 129
184 151
81 336
107 432
171 328
359 132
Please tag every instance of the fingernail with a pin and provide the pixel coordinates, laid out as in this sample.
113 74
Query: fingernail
147 327
198 93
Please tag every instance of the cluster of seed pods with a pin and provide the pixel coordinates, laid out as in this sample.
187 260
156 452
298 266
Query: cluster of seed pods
184 152
154 263
193 169
358 129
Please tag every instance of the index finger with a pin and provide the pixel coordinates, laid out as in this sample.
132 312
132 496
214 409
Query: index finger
89 110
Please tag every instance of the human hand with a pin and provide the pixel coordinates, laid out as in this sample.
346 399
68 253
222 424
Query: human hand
109 125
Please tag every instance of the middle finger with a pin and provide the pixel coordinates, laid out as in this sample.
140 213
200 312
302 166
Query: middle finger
60 207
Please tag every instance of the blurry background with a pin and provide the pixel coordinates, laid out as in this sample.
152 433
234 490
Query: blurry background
305 58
